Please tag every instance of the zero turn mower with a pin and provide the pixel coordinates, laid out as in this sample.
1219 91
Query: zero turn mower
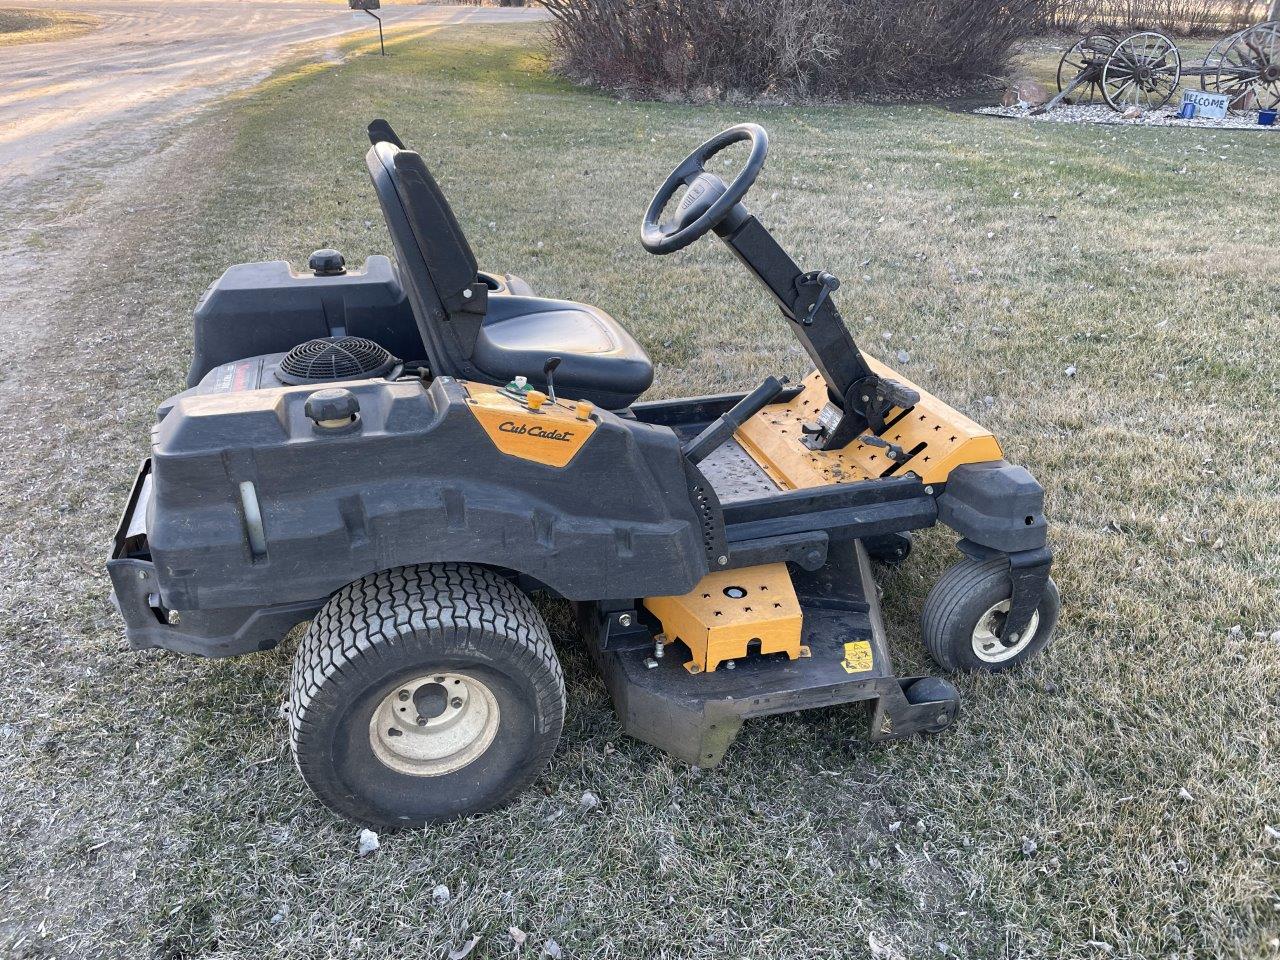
403 453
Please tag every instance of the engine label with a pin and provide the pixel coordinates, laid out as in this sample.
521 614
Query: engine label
234 377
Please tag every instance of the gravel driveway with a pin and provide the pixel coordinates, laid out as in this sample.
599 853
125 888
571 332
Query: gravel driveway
153 62
83 120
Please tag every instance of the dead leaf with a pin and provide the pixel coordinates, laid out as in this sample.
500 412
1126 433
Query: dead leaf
463 950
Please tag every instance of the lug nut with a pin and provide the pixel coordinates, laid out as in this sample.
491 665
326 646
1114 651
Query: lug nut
455 702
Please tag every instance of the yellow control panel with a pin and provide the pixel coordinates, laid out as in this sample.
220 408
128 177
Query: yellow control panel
529 426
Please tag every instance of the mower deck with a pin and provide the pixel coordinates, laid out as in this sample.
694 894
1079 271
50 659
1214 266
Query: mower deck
696 716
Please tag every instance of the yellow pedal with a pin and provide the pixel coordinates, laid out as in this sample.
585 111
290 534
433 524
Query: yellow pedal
733 613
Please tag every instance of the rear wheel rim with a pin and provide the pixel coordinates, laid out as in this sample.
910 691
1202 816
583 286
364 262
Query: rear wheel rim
434 724
986 641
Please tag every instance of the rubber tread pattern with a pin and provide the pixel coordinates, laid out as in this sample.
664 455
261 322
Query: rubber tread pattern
456 602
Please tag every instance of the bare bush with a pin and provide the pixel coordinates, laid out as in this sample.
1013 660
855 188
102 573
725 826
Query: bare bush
795 49
1178 17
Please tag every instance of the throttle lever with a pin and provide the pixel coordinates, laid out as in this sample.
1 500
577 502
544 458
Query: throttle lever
827 284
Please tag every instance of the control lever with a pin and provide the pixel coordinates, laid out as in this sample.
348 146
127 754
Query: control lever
549 371
827 284
724 426
864 409
891 449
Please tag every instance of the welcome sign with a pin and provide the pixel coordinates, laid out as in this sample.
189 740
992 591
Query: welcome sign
1212 106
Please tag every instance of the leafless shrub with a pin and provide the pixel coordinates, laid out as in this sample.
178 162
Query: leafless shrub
1179 17
787 48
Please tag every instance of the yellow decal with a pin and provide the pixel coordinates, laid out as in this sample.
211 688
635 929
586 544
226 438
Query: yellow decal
857 657
549 433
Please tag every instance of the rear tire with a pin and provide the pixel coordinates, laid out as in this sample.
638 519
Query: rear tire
424 693
964 616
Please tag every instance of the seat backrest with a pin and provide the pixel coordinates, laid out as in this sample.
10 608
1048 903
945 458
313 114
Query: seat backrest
437 265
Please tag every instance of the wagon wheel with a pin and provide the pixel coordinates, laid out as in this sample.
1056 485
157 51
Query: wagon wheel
1084 62
1143 71
1212 60
1250 64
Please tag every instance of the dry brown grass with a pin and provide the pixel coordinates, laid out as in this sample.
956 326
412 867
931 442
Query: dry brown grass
151 809
26 25
1179 17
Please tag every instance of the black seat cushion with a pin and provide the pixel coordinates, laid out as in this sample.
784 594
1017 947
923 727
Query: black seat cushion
601 362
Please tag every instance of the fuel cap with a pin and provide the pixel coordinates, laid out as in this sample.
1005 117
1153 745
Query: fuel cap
332 409
327 263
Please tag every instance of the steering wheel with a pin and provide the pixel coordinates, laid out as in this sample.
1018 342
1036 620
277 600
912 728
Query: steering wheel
708 201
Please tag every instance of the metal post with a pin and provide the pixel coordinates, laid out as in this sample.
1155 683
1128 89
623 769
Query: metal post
384 46
1275 10
368 6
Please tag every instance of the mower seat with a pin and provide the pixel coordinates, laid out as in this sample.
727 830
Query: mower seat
600 360
467 333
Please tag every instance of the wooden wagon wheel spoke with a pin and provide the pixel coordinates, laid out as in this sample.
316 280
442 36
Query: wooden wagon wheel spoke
1083 63
1213 62
1250 65
1143 69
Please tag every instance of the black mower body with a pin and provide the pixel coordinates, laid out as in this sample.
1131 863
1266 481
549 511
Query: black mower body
416 480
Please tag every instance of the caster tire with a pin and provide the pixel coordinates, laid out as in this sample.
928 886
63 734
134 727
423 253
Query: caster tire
424 693
932 690
964 616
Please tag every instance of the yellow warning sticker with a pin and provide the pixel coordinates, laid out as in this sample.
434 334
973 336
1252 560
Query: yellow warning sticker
857 657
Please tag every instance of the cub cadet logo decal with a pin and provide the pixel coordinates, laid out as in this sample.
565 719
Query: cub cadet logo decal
551 436
526 430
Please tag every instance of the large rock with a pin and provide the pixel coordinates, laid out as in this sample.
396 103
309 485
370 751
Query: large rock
1025 92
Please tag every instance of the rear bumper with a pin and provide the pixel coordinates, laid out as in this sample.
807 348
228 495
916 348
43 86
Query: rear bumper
148 622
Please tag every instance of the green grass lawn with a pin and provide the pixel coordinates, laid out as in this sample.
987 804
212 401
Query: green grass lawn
1111 801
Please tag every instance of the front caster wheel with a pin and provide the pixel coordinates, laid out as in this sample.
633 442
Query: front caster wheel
964 616
424 693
